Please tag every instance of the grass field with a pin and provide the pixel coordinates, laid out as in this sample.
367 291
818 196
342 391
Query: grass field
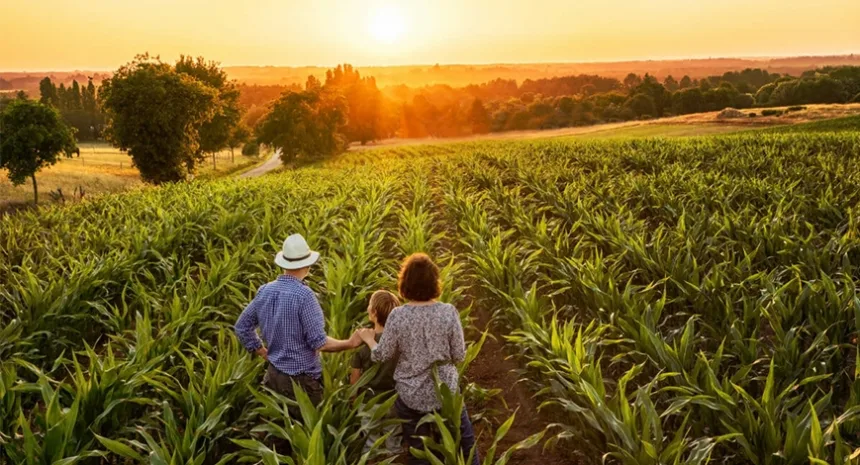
674 300
100 169
845 124
663 130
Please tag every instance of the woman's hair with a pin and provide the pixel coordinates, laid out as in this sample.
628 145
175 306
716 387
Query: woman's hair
382 303
419 278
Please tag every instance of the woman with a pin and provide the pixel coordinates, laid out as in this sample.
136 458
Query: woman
421 335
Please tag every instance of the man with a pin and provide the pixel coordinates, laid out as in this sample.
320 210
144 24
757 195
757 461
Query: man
292 325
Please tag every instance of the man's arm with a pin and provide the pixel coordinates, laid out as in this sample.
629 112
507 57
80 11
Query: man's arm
246 327
339 345
313 322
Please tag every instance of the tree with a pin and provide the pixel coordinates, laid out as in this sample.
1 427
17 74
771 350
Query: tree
670 83
689 100
820 89
305 124
251 149
62 97
365 101
48 92
479 118
239 136
632 81
659 95
74 95
685 83
156 113
762 97
642 105
313 83
88 98
34 136
215 133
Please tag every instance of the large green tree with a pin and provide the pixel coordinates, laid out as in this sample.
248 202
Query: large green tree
305 124
214 134
33 136
156 113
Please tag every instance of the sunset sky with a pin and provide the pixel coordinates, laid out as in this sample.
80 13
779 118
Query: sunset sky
103 34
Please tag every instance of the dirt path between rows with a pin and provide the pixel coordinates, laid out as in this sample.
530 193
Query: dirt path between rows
272 163
493 368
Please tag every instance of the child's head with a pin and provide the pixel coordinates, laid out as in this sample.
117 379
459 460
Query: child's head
380 306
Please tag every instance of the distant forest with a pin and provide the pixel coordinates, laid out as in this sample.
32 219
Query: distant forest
505 105
373 112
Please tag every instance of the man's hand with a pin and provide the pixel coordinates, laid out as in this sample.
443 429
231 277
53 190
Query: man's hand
367 335
355 340
262 352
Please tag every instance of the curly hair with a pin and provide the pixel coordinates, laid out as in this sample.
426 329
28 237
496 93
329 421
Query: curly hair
419 279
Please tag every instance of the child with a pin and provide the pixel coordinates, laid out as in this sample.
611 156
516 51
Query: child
380 306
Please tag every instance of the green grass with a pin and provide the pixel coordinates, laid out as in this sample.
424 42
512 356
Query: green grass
101 169
663 130
846 124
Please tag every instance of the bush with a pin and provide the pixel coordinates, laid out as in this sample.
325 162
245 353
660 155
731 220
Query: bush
795 108
251 149
771 112
752 115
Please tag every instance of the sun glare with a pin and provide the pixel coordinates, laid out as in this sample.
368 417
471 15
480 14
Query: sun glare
387 24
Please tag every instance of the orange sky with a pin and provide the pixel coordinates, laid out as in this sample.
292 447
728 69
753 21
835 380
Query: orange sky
103 34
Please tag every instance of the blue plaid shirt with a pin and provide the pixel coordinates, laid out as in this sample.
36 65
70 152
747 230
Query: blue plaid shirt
291 322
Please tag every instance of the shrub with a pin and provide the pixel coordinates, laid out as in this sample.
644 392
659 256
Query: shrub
795 108
771 112
752 115
251 149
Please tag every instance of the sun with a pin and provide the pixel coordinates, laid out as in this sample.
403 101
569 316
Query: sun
387 24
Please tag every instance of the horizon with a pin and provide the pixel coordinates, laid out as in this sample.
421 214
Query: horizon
382 33
455 64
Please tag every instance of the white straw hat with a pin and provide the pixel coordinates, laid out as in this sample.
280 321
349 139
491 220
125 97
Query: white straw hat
296 254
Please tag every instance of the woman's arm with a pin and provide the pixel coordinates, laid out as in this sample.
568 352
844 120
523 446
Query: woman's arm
457 341
388 345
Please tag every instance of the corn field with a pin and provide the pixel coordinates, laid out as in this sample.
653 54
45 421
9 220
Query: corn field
670 301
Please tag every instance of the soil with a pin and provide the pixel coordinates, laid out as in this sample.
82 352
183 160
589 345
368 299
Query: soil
494 368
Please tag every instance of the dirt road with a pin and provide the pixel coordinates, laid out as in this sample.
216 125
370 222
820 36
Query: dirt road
273 162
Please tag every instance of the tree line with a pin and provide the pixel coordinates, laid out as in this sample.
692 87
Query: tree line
504 105
77 104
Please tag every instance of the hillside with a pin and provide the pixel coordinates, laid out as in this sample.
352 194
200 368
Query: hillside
687 294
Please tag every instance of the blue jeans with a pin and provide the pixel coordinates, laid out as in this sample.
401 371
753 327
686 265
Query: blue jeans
412 432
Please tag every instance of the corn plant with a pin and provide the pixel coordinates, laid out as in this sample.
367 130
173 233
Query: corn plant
706 286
